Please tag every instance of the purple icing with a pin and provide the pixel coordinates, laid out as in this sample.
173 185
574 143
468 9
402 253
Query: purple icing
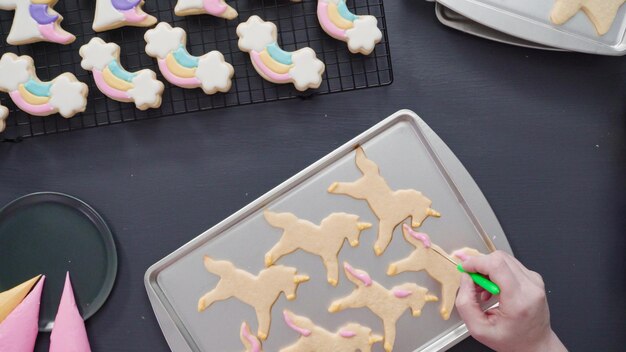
39 12
124 5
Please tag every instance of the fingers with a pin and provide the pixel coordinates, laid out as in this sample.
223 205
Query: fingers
468 306
497 267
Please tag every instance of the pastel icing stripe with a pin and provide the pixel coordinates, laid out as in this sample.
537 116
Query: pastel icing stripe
124 5
30 97
185 59
273 64
50 33
174 79
177 69
39 12
344 12
337 19
38 88
214 7
108 90
329 26
114 81
120 72
278 77
279 54
133 16
30 108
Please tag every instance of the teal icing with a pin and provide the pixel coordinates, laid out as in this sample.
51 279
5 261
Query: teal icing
344 12
39 89
121 73
279 54
183 57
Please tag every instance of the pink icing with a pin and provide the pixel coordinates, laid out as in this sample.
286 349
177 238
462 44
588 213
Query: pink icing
133 16
39 110
108 90
215 7
18 332
175 80
256 346
399 293
276 77
69 333
51 34
363 276
290 323
418 236
331 29
347 333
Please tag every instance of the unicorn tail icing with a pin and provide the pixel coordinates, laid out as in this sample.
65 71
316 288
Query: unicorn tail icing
360 32
4 113
141 87
301 67
112 14
64 94
218 8
209 72
36 21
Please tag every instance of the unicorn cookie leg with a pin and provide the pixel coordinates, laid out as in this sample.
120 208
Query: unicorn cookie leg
112 14
64 94
360 32
35 21
209 71
103 60
301 67
4 113
217 8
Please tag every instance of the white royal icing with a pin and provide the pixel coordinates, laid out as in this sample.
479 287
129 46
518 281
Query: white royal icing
307 69
185 5
24 27
97 54
68 96
147 90
14 71
106 15
364 34
163 39
255 34
4 113
214 73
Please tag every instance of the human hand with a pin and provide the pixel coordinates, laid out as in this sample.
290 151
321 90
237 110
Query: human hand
521 322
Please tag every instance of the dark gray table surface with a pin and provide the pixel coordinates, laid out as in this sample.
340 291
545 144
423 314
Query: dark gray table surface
542 133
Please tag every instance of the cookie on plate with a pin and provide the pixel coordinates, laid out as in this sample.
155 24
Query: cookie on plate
601 12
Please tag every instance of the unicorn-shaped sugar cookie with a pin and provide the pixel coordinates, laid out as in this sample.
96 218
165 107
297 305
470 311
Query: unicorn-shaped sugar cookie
217 8
103 60
324 240
301 67
260 291
35 21
425 257
349 338
112 14
388 305
360 32
64 94
209 71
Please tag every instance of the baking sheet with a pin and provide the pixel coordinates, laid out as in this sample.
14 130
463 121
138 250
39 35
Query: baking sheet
409 155
530 20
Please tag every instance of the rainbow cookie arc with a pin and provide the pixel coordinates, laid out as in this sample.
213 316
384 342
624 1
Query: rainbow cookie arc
359 31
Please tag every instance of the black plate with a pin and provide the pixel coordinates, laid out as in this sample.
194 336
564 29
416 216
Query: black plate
51 233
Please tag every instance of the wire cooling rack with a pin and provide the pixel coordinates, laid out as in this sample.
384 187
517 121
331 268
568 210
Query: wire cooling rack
297 27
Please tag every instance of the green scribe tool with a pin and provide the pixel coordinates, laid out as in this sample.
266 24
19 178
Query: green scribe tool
482 281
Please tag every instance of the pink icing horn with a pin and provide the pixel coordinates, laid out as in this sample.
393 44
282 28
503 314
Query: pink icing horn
399 293
420 236
291 324
361 275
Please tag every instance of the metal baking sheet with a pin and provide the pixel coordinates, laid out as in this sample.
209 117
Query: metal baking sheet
409 155
530 20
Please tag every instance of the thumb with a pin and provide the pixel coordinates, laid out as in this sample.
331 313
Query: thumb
468 306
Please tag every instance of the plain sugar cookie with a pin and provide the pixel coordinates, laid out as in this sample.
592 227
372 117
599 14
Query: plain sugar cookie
388 305
324 240
360 32
35 21
64 94
112 14
300 67
601 12
259 291
425 257
209 71
103 60
349 338
217 8
391 207
250 342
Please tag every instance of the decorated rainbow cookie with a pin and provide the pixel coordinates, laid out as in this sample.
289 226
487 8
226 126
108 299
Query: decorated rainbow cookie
140 87
210 71
4 113
35 21
360 32
218 8
64 94
301 67
112 14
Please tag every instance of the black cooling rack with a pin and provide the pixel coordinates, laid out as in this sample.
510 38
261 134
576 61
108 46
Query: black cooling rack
297 27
